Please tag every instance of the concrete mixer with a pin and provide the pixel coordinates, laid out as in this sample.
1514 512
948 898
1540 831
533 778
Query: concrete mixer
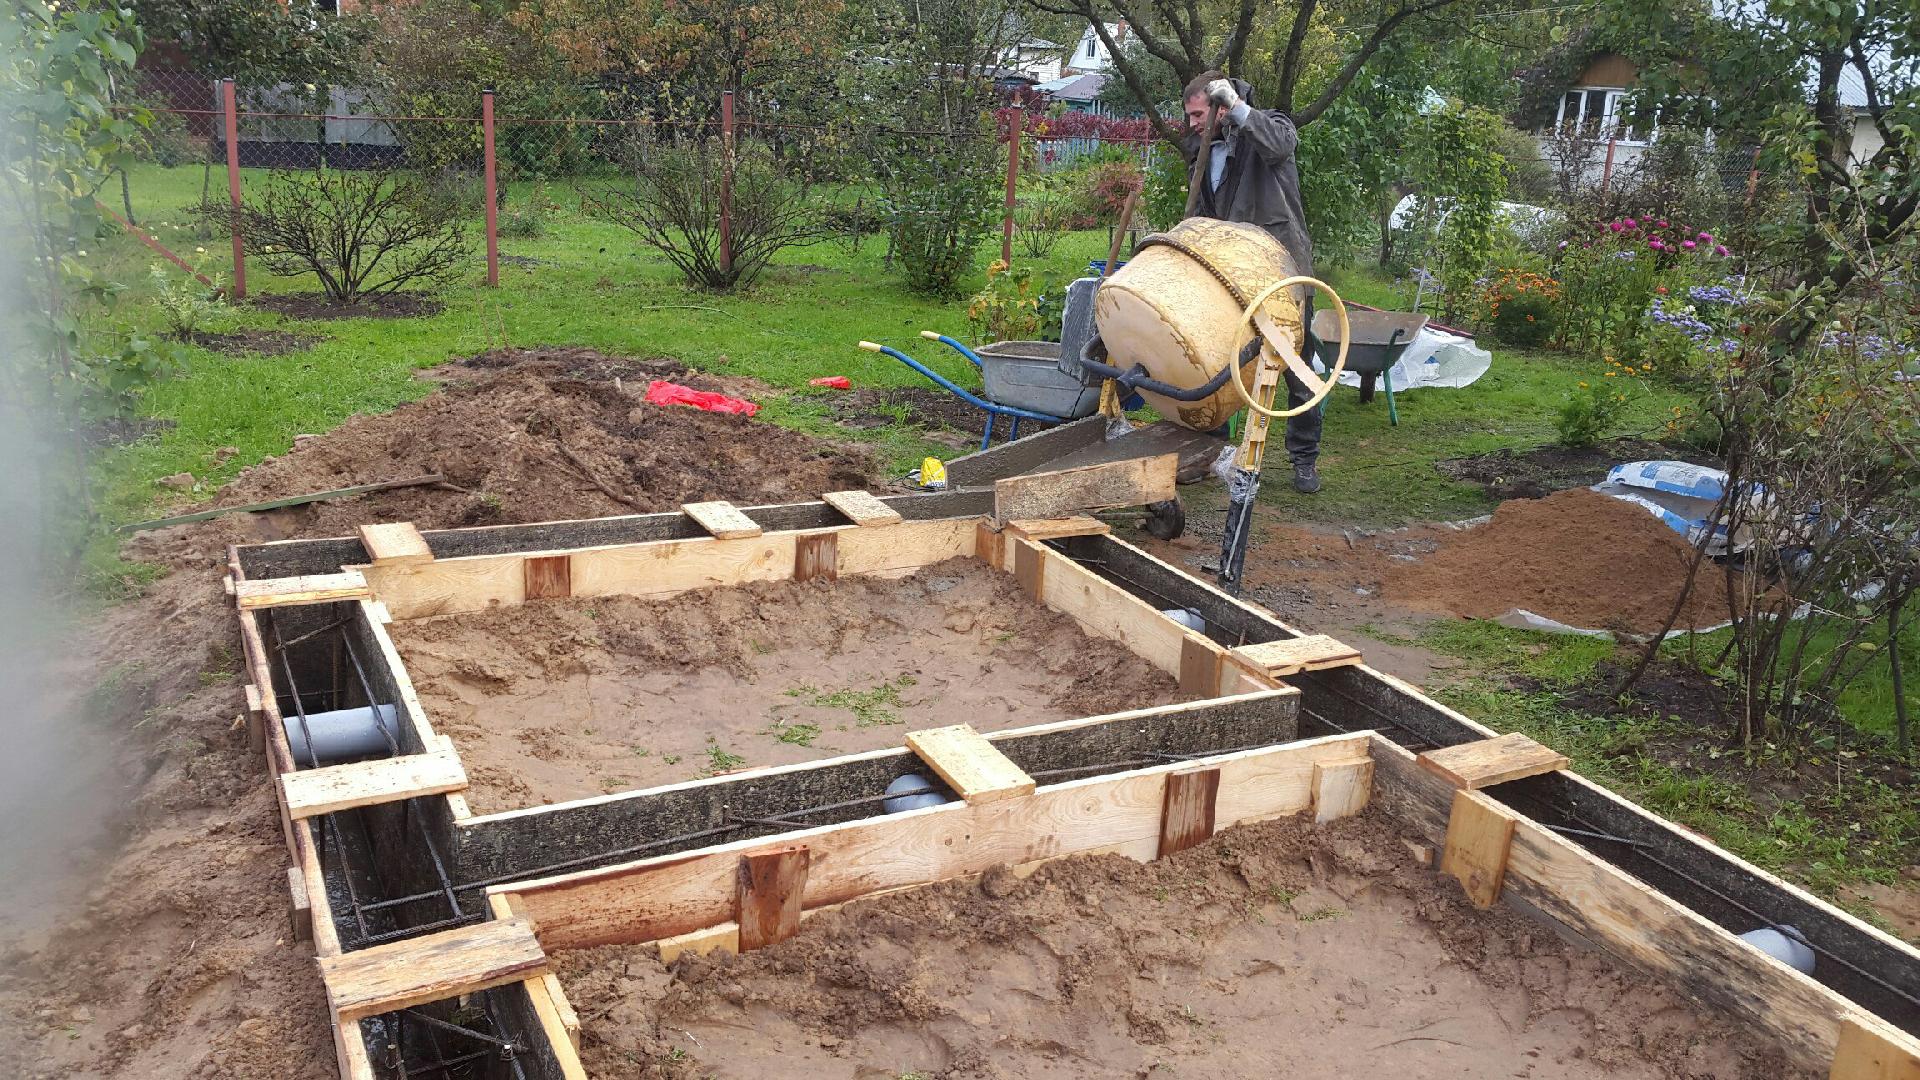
1181 320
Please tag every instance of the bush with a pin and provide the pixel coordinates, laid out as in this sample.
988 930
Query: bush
1588 413
1100 191
1040 219
1165 199
1008 309
1521 306
184 302
527 219
674 208
1611 271
363 234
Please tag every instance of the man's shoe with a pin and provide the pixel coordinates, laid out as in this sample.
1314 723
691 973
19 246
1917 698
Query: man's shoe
1306 479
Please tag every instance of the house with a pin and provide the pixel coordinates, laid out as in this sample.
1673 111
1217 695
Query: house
1090 54
1589 121
1079 93
1036 58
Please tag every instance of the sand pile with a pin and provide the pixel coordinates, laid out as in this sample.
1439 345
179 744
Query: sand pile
1576 556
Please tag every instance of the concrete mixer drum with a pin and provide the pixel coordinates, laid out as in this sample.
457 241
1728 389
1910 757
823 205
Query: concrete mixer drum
1176 309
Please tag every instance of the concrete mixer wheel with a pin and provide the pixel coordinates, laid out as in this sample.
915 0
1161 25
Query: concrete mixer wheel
1166 520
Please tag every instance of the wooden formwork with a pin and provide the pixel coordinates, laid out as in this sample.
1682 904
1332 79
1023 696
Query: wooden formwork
1498 809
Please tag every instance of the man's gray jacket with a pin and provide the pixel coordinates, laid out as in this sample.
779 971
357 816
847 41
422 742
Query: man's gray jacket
1260 185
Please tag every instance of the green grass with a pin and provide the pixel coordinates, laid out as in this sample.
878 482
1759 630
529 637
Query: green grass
870 707
1793 836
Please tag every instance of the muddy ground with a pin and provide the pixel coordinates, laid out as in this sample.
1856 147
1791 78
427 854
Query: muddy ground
564 699
167 953
1278 949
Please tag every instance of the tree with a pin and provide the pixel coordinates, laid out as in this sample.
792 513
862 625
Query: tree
1190 39
258 45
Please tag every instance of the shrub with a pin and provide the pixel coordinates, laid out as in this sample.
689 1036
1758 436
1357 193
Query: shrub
527 219
1588 413
363 234
1521 306
674 208
1101 190
1165 199
1611 271
1040 219
941 207
184 302
1008 309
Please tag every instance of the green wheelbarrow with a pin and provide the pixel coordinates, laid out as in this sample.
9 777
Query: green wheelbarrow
1375 342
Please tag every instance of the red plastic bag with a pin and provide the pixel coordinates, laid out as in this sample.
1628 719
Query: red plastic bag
666 393
834 382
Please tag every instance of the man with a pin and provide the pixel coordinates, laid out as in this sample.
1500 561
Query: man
1252 178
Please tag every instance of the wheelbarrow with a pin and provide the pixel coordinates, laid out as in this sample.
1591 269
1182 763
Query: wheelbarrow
1020 380
1376 340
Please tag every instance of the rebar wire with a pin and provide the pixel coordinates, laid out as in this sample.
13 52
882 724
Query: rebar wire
366 687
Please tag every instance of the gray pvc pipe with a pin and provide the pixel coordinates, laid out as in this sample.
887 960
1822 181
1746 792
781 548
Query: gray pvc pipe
341 735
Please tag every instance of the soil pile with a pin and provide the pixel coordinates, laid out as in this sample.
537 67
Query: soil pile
565 699
1271 950
530 435
1577 556
173 958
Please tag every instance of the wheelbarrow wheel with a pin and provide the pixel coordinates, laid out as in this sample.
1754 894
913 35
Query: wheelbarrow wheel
1166 520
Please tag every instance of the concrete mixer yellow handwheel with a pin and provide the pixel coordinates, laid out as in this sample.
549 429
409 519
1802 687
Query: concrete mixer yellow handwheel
1253 321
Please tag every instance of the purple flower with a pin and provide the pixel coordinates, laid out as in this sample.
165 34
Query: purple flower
1617 226
1720 249
1688 244
1705 237
1663 223
1656 245
1632 224
1563 245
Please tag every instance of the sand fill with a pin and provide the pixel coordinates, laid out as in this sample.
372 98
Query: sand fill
1278 949
1576 556
564 699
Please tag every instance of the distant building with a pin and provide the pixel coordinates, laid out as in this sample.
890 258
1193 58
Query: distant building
1079 93
1090 54
1036 58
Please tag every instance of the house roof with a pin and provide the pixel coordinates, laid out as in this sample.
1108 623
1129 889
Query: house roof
1074 87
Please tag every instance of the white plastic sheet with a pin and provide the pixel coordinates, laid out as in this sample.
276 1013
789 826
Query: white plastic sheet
1435 359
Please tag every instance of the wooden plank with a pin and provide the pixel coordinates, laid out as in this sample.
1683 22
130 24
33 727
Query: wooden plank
1030 567
332 788
772 885
1133 482
350 1050
394 543
1866 1053
313 589
1341 789
1187 811
403 974
299 907
550 1007
1479 835
722 519
989 544
1290 656
1052 528
906 546
547 577
275 504
1106 610
677 894
976 770
862 508
563 1010
1486 762
256 719
1200 662
816 555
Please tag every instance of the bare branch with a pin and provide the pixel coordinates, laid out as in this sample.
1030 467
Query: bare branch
1381 31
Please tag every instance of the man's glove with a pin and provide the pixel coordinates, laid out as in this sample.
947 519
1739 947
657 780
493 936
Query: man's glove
1220 92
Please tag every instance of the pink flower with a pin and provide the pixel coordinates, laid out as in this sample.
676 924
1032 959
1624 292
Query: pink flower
1663 223
1705 237
1617 226
1720 249
1632 224
1688 244
1656 245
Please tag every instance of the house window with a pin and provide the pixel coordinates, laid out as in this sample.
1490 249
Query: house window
1597 112
1091 45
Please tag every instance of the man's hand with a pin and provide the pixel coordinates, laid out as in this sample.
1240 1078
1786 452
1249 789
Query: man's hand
1220 92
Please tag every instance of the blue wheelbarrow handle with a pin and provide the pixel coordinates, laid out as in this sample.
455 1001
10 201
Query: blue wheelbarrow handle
943 339
964 395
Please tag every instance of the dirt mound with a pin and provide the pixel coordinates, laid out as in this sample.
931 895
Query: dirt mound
527 435
170 957
1577 556
1273 949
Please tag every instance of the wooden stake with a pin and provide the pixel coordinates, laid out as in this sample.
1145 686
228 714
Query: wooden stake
548 577
1186 814
1479 836
1341 789
773 885
816 555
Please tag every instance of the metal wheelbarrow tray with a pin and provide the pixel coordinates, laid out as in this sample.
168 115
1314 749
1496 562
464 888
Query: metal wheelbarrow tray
1027 375
1375 342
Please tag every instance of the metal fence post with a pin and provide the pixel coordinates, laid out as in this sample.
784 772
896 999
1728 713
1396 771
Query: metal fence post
228 105
493 202
1016 126
726 182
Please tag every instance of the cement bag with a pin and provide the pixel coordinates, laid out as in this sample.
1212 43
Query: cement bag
1682 496
1167 311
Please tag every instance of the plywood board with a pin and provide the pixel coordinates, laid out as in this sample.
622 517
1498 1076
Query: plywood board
1200 664
1133 482
332 788
772 885
976 770
1479 833
677 894
862 507
313 589
394 543
1290 656
1485 762
722 519
402 974
1054 528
